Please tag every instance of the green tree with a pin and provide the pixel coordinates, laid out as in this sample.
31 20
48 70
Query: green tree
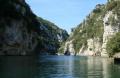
113 45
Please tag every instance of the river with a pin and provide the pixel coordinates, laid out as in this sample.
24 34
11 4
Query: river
57 67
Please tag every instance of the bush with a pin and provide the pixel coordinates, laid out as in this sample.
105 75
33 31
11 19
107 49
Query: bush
91 28
97 10
113 45
111 5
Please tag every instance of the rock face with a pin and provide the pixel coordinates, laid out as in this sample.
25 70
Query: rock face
92 35
69 48
50 37
109 31
16 39
93 48
22 33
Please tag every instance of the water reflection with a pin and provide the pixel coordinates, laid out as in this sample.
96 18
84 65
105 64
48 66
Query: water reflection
65 66
17 67
58 67
106 66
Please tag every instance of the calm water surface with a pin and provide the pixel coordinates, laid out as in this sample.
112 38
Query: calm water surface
57 67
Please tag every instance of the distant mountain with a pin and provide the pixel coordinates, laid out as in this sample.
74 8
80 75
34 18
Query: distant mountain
98 34
23 33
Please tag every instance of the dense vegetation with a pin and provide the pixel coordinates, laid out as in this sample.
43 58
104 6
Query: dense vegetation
113 45
48 36
93 28
90 28
114 6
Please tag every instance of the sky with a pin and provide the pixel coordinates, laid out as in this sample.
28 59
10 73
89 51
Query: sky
66 14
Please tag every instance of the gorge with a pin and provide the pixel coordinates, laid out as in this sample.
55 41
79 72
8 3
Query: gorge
33 47
24 33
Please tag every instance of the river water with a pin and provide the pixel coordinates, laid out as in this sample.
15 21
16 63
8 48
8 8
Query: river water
57 67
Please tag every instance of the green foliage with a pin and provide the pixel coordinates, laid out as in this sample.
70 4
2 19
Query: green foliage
78 42
92 27
97 10
111 5
115 7
49 32
61 49
51 26
113 45
47 23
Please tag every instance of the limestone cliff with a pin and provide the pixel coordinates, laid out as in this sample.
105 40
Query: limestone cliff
92 35
22 33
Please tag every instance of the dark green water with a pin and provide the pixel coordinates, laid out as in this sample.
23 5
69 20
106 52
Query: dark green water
57 67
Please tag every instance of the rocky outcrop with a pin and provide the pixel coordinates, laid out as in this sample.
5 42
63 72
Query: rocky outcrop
50 37
22 33
69 48
18 34
92 35
93 48
109 31
16 40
